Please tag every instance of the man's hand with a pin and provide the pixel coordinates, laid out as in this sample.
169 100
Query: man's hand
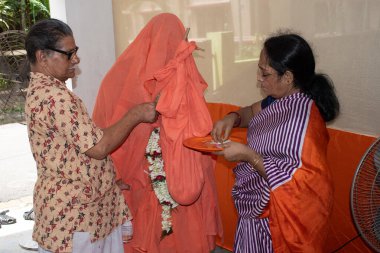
123 186
145 112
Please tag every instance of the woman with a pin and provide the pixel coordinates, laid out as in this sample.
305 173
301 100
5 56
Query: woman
158 66
283 189
77 203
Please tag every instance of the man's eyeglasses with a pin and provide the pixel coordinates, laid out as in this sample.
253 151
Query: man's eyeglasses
68 53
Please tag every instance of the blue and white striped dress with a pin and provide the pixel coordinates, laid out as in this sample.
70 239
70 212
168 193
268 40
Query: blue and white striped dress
277 133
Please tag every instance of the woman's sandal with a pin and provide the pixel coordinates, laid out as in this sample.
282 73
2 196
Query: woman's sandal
6 219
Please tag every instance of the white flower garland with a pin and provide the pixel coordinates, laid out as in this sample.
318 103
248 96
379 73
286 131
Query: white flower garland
158 178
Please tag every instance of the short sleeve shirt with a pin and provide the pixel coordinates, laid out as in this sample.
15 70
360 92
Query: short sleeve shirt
73 192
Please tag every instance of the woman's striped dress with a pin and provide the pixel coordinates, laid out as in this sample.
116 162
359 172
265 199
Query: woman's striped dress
278 133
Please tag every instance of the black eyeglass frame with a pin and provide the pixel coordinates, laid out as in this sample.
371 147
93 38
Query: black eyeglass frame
69 54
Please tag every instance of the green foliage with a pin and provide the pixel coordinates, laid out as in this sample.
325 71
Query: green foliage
13 114
39 9
17 15
3 84
21 14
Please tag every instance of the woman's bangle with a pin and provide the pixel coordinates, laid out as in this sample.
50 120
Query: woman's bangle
238 120
255 162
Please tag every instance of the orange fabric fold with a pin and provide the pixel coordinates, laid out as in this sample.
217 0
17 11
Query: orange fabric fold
299 222
184 114
159 62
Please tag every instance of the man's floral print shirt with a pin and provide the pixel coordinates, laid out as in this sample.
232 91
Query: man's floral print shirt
73 192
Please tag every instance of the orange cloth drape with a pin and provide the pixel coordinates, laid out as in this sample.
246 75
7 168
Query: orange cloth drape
184 115
159 61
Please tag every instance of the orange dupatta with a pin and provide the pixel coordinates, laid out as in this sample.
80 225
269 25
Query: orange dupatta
299 211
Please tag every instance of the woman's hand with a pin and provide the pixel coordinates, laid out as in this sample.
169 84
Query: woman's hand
222 128
235 152
238 152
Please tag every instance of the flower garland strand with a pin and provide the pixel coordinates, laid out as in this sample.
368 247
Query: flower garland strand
158 178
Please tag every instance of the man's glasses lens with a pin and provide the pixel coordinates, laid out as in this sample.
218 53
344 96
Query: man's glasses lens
69 53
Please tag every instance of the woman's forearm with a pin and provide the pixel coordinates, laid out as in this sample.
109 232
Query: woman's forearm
247 113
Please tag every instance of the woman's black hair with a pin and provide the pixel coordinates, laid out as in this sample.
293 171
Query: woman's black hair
290 52
44 34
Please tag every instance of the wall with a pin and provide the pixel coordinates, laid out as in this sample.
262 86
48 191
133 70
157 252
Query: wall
92 25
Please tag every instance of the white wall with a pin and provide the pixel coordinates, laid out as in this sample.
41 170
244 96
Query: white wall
92 24
58 11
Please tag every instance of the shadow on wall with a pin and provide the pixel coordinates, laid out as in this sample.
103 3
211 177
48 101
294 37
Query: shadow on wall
229 81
